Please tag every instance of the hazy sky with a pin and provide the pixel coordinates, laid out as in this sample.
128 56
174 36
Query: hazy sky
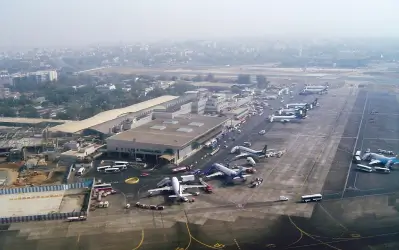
78 22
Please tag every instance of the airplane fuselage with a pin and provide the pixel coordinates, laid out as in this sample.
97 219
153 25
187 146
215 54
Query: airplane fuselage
227 171
176 187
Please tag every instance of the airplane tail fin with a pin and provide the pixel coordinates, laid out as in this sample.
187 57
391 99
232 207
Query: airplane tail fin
264 149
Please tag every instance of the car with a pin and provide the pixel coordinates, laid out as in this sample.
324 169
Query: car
262 132
247 144
144 174
283 198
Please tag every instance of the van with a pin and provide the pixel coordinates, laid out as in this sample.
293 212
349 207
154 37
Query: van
358 153
81 171
357 160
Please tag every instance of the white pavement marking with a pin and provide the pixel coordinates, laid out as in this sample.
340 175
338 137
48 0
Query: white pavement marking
383 139
354 146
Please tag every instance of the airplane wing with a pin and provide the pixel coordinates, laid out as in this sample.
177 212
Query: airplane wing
167 188
373 162
191 186
215 174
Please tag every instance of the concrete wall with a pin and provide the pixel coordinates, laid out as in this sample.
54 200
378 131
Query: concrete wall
54 216
184 152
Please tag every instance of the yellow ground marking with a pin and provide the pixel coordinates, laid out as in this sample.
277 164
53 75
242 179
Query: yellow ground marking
141 241
298 240
216 246
310 236
132 180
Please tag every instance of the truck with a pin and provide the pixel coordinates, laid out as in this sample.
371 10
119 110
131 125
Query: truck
207 188
181 169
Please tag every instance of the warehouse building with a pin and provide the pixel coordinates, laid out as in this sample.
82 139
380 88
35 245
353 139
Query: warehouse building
171 140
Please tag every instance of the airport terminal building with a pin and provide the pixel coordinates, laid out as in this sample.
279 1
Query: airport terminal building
172 140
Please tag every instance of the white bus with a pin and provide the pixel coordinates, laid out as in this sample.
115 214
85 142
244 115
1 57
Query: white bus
112 170
382 170
116 163
364 168
120 167
312 197
102 168
103 187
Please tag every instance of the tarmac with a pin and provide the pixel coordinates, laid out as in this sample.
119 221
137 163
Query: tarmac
318 160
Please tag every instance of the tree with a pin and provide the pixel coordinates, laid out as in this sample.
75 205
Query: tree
235 90
29 112
7 112
262 82
180 88
210 78
197 78
244 79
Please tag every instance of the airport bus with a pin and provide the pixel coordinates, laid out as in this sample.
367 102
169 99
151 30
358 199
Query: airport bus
112 170
103 187
312 197
116 163
364 168
102 168
382 170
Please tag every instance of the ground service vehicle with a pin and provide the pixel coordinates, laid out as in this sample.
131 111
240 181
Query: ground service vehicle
382 170
312 197
357 160
364 168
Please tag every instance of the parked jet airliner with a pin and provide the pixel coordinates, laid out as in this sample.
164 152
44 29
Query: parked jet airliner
176 188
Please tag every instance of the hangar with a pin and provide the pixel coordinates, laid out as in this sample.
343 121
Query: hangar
104 122
172 139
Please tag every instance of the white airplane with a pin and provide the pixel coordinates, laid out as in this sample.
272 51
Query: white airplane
177 188
380 159
224 171
238 149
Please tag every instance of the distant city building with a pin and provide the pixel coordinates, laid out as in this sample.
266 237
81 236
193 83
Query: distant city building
106 87
35 77
216 103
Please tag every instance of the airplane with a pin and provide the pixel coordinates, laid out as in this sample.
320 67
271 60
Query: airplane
224 171
287 118
381 159
249 151
177 188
